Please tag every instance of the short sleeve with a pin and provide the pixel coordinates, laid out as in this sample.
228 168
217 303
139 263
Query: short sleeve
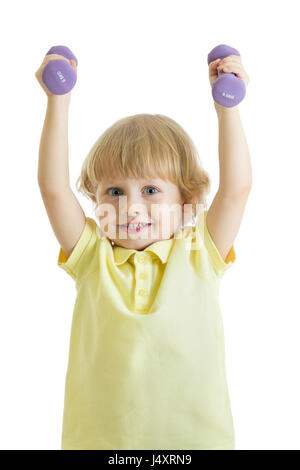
82 258
220 265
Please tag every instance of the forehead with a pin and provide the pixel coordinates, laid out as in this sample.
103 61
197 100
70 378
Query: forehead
134 181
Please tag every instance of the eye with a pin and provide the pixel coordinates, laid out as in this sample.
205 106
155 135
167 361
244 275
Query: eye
148 187
152 187
110 189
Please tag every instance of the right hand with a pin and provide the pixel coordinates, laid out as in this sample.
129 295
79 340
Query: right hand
39 72
213 71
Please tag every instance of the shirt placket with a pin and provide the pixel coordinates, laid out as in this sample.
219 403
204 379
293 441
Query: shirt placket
142 287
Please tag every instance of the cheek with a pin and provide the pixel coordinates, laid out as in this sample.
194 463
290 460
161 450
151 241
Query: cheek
167 218
107 222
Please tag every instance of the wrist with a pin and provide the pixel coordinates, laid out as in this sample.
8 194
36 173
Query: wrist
223 110
59 100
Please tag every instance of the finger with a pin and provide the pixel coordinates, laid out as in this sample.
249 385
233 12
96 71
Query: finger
232 56
238 71
231 67
73 64
214 63
232 59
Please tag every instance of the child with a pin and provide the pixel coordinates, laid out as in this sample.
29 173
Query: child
146 363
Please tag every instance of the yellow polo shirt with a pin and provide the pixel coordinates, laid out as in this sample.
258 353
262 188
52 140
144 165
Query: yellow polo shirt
146 363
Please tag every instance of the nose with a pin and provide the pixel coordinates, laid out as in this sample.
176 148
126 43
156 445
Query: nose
133 208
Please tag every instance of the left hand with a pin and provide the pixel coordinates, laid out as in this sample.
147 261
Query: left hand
230 64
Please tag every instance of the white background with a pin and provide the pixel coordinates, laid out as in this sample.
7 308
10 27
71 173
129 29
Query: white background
151 56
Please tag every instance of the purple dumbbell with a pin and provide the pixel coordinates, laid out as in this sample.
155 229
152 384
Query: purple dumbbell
58 75
228 90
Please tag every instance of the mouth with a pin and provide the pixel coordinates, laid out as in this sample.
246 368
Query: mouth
135 229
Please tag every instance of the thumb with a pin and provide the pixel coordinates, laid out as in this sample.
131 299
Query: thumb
215 63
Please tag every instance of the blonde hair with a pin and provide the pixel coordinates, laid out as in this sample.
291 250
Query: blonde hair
141 146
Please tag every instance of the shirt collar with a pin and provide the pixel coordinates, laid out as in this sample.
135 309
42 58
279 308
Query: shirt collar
161 249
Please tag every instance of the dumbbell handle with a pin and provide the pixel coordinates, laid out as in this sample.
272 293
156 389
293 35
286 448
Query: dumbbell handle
228 90
58 75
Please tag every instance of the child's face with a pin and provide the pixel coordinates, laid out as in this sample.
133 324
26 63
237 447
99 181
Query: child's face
143 200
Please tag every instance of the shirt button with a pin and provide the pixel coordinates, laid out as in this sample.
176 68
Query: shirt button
141 260
142 292
143 276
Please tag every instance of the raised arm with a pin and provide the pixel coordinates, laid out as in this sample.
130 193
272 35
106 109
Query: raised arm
226 211
66 215
227 208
